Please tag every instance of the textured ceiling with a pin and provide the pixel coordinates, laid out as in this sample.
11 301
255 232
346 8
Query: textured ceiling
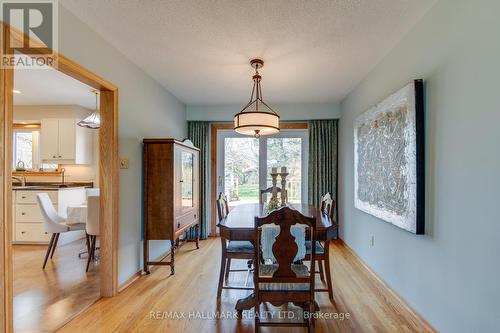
314 51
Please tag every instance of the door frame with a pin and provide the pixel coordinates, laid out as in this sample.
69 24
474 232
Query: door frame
215 127
108 173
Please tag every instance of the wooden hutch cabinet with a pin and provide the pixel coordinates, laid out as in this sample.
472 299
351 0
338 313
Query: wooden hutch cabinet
171 194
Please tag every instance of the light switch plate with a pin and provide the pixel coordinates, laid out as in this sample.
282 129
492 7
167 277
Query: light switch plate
124 163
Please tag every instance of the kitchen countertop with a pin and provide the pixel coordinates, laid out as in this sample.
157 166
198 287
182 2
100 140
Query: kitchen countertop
36 186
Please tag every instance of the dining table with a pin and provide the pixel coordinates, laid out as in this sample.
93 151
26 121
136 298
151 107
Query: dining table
76 214
239 225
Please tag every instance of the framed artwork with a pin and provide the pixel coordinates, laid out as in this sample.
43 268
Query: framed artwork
389 167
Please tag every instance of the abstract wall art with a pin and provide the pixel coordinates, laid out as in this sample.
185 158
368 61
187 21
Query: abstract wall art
389 159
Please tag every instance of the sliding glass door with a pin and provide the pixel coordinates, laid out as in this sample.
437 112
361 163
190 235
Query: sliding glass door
239 176
245 163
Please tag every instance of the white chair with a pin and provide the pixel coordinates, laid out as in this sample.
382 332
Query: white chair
92 226
53 223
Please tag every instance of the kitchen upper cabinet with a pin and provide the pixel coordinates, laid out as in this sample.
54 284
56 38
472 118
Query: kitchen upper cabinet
63 141
49 143
67 139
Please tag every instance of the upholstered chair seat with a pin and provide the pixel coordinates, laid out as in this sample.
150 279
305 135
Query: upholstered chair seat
319 248
240 247
299 269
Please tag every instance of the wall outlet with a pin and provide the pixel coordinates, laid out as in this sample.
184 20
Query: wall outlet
372 240
124 163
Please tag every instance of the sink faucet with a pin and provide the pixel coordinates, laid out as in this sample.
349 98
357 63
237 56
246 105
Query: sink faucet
22 180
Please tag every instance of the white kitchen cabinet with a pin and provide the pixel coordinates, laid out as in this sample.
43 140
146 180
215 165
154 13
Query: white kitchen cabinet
28 221
63 141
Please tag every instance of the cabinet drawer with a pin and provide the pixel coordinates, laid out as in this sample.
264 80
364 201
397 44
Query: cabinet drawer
28 213
29 197
31 232
185 220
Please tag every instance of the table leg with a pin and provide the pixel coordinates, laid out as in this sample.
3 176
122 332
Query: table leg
327 270
246 303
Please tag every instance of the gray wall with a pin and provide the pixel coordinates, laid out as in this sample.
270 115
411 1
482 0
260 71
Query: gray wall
297 111
451 275
146 109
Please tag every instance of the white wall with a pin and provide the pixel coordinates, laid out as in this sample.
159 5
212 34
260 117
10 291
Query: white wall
146 109
286 111
451 275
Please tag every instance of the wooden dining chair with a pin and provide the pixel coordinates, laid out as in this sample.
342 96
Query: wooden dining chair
231 250
328 205
323 250
284 281
263 194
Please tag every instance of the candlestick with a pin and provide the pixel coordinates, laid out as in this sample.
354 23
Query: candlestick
274 170
283 169
274 191
283 188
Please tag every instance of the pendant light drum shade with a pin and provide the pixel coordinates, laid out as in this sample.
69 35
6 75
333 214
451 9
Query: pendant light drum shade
257 118
256 123
94 120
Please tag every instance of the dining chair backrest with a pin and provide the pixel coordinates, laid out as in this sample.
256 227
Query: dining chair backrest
222 206
92 225
263 194
285 248
52 221
328 205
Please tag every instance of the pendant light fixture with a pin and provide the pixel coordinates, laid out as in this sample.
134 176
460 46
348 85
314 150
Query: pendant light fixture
94 120
257 118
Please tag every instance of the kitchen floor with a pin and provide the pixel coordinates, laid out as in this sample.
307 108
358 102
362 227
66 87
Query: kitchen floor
44 300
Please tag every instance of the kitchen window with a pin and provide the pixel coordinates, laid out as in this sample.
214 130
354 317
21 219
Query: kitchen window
26 153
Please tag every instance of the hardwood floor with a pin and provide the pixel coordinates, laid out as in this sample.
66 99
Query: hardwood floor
192 292
44 300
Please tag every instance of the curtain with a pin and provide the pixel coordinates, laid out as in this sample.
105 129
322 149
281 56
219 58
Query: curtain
322 177
199 134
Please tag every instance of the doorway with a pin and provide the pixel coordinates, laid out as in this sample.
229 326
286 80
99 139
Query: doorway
53 156
108 173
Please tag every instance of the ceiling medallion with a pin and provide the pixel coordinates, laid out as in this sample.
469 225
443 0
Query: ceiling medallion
257 118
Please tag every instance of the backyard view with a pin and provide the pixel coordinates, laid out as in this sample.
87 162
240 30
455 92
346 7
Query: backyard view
241 170
241 167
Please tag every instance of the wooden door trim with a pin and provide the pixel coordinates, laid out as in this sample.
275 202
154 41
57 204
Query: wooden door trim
213 163
108 173
6 101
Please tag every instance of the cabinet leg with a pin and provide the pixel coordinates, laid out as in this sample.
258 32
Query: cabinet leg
198 236
172 257
146 255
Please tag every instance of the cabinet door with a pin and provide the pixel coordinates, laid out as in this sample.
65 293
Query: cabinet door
49 139
67 137
187 179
